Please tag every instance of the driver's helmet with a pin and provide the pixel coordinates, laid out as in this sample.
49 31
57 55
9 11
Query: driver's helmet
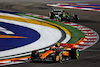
63 10
58 45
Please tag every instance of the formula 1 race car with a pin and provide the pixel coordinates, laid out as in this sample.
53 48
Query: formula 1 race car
61 15
55 54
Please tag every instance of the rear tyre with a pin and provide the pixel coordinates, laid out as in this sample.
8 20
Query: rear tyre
51 15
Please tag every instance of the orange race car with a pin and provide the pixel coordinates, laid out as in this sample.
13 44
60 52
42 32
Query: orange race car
57 53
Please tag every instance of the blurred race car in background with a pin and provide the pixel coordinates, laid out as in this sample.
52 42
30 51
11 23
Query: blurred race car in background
61 15
57 53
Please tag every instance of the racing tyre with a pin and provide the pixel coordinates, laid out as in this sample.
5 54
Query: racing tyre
34 55
75 18
51 15
74 53
59 19
58 57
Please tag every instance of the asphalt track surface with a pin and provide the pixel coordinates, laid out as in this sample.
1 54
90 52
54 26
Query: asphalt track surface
88 58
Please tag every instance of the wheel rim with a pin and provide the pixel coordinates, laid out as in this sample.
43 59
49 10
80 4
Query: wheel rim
77 53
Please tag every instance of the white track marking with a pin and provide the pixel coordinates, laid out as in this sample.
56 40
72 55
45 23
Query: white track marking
5 31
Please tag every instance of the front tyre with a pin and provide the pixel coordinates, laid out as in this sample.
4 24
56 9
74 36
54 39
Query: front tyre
59 19
58 57
75 18
74 53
